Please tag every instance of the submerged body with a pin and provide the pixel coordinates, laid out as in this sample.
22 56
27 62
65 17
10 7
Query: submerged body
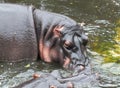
17 34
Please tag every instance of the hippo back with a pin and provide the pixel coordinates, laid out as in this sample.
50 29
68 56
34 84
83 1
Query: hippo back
17 33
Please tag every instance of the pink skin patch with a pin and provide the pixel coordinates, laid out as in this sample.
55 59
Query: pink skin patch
82 67
70 85
45 50
52 86
35 76
57 31
44 53
66 62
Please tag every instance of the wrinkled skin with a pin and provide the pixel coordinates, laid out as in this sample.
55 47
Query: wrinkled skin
61 39
57 37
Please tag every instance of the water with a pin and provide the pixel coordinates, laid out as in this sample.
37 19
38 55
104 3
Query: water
102 25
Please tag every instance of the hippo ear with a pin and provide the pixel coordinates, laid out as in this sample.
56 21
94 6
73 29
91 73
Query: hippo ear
57 31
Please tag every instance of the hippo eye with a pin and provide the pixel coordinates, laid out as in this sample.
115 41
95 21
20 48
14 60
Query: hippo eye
68 45
74 49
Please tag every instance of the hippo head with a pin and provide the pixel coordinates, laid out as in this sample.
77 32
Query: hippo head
66 45
74 43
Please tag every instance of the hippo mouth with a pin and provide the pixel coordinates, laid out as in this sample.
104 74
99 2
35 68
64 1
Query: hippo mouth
75 65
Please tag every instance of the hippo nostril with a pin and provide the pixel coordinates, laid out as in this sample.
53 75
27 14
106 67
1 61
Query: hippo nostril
80 67
78 62
71 66
74 61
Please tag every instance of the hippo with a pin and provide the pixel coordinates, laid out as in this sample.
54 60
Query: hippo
85 79
28 34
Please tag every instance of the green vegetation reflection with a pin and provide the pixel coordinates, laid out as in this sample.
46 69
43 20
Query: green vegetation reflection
109 48
114 54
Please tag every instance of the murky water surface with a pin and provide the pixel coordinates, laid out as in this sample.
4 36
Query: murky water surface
102 18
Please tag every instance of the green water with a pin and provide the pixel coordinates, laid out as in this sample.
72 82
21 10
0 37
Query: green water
102 19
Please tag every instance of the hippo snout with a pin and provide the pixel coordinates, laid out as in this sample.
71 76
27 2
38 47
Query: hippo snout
76 65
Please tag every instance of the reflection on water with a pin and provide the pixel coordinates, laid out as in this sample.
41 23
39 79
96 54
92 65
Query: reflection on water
102 18
80 10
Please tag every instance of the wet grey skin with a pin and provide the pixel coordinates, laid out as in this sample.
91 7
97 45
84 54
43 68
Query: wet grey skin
27 34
